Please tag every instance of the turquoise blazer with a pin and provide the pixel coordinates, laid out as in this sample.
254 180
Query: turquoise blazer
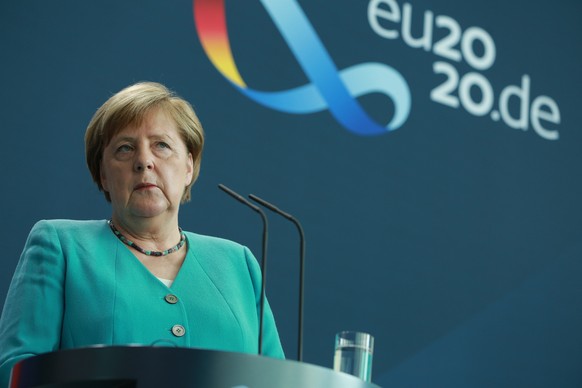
77 285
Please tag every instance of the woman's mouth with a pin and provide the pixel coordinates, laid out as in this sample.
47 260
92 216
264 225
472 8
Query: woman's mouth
144 186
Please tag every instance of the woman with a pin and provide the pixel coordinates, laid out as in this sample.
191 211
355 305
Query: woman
136 278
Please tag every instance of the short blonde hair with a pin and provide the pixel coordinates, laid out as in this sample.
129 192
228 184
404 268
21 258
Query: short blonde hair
129 107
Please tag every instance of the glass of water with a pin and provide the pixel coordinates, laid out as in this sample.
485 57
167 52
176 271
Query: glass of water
353 354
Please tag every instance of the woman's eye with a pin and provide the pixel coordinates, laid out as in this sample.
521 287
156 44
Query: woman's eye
162 144
124 148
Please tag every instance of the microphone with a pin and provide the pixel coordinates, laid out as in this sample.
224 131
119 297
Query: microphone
301 266
241 199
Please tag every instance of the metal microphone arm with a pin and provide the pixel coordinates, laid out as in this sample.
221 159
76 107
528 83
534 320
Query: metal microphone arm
241 199
301 266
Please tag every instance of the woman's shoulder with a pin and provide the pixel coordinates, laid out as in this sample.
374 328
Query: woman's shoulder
70 225
212 242
58 236
62 227
222 258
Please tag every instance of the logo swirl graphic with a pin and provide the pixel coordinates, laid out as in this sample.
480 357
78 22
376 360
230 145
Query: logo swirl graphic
329 88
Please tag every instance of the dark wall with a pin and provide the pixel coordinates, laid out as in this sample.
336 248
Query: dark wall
454 239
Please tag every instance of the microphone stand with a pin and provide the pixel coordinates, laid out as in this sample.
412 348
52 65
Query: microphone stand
301 266
264 256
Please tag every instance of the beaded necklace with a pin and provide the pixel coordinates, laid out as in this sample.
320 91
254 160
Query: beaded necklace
133 245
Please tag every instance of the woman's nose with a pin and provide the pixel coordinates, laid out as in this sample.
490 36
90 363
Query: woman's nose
143 161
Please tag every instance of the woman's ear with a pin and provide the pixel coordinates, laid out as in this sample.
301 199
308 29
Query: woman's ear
189 169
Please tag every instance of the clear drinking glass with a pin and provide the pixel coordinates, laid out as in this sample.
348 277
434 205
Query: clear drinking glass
353 354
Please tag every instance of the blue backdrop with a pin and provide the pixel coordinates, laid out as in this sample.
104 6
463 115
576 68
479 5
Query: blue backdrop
454 239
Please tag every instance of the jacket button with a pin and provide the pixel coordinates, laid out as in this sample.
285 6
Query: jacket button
171 299
178 330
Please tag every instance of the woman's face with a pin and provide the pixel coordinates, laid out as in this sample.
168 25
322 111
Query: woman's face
146 168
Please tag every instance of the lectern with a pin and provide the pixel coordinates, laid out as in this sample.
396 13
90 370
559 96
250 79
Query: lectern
161 367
